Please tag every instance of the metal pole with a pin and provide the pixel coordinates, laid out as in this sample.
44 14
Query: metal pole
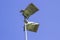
26 35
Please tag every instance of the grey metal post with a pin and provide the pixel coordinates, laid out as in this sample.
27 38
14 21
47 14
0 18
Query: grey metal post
26 34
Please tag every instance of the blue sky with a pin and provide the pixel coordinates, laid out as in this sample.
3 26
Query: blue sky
11 21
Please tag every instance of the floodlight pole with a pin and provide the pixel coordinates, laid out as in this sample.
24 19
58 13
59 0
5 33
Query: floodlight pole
25 21
26 35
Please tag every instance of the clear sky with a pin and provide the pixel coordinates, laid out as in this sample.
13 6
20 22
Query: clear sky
11 21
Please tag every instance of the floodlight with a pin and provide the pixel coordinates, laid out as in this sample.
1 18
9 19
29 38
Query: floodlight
31 26
31 9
